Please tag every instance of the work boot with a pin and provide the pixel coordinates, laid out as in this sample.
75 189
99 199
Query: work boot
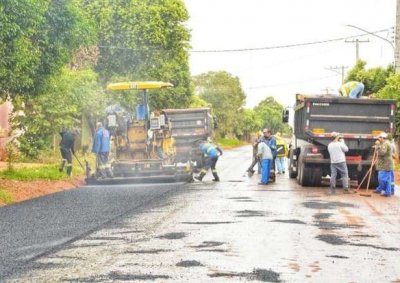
250 173
69 170
62 164
346 191
200 177
216 178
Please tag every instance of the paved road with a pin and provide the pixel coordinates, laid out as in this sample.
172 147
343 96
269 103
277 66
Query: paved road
34 228
234 231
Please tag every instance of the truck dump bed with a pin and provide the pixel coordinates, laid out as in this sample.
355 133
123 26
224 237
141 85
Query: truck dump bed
188 126
359 120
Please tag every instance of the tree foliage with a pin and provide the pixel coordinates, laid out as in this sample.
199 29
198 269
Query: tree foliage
144 40
224 93
374 79
38 38
67 97
270 113
392 91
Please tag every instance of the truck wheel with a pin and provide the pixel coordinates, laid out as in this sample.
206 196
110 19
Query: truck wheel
292 163
300 174
314 176
309 176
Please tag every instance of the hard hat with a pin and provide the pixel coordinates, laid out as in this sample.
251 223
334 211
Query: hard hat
382 135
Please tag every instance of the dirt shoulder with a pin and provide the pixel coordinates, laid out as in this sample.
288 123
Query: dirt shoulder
25 190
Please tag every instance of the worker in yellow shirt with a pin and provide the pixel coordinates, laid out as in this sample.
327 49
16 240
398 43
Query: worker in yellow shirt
352 89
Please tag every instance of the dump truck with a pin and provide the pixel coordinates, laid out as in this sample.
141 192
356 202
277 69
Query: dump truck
188 127
360 121
142 146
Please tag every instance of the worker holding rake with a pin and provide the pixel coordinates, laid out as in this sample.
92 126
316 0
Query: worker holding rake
384 165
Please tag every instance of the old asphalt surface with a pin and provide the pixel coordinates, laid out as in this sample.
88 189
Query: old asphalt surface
232 231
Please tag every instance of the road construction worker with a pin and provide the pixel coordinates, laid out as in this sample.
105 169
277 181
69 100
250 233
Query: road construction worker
250 171
270 140
394 157
101 147
352 89
265 155
281 153
384 165
337 149
67 144
211 152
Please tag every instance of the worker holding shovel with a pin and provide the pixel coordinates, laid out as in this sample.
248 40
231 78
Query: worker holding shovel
384 165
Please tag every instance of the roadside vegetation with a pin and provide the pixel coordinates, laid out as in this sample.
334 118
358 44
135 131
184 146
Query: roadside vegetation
58 56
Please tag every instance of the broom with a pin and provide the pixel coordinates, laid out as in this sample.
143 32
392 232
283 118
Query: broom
369 174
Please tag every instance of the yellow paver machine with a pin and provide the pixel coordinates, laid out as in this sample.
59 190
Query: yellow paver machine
142 147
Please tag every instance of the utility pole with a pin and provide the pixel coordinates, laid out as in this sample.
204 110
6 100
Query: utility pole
397 40
357 42
339 70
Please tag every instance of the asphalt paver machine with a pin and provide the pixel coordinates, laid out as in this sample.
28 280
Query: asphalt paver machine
142 147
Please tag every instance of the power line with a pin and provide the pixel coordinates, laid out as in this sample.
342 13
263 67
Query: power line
286 45
244 49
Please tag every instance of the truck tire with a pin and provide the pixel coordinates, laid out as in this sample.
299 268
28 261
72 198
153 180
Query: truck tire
292 163
309 176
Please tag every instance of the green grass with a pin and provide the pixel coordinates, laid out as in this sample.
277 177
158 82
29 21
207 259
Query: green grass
5 196
229 143
47 172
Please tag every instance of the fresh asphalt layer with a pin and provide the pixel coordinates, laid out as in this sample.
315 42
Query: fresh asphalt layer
39 226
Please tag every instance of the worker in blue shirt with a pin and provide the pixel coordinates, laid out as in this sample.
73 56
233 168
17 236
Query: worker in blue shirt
211 153
101 147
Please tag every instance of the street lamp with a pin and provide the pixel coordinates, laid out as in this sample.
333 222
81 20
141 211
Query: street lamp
380 37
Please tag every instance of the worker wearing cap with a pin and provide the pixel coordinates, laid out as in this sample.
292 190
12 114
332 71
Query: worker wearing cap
211 153
384 165
337 149
352 89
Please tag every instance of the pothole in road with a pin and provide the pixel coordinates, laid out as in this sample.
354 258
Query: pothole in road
336 240
250 213
153 251
289 221
132 277
263 275
332 239
209 244
188 263
322 215
173 236
326 205
338 256
326 225
240 198
245 200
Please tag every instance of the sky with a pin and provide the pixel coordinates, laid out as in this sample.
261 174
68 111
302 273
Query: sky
283 72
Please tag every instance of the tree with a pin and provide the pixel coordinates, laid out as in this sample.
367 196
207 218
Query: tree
144 40
225 94
270 113
38 39
66 98
392 91
374 79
